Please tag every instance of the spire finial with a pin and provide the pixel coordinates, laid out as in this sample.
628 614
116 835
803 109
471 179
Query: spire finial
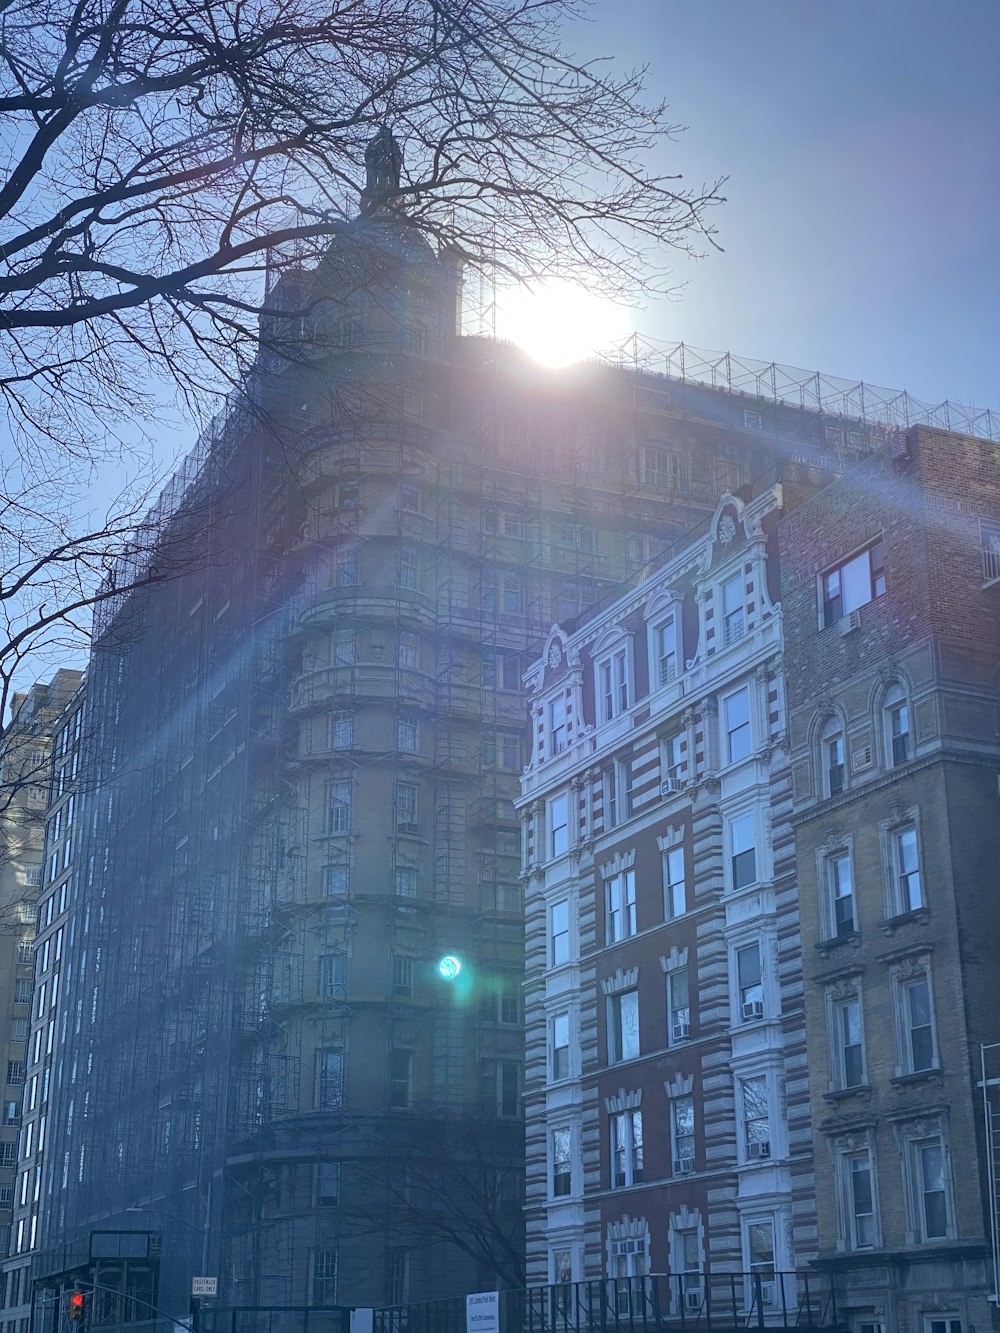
383 160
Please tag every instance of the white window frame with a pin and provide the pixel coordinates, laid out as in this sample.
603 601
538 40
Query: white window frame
629 1144
665 650
767 1270
617 1007
756 1144
672 763
902 884
853 1229
678 1015
916 1147
738 823
674 883
832 734
556 936
897 740
741 733
749 998
558 825
620 906
863 573
558 724
613 682
841 1013
833 881
904 984
567 1131
560 1025
682 1146
732 612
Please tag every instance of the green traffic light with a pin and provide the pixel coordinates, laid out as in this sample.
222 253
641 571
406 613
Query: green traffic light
449 967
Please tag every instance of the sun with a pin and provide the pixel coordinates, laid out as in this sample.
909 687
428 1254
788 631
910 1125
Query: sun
558 322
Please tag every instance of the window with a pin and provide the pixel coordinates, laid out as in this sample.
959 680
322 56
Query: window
557 725
510 750
612 676
562 1161
406 735
918 1026
341 730
397 1277
324 1284
733 613
346 566
678 1006
749 984
329 1080
850 1049
623 1026
626 1149
861 1197
405 881
333 975
989 541
760 1257
841 882
897 722
832 758
674 887
512 595
409 572
906 870
327 1184
408 651
661 468
736 708
344 648
559 1053
409 496
406 807
499 1088
510 1000
400 1078
743 851
15 1072
559 933
756 1118
340 806
682 1134
752 420
620 894
618 793
8 1153
932 1198
672 761
950 1324
853 584
402 975
665 638
11 1112
22 990
559 825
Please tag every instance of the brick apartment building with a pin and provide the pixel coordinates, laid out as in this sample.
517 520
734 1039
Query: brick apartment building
817 979
891 605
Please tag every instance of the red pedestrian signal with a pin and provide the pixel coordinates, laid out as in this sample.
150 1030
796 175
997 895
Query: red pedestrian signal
77 1305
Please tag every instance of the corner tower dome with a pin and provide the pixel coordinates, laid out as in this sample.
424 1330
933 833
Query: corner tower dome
383 160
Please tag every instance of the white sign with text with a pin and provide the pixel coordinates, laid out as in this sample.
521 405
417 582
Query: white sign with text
482 1312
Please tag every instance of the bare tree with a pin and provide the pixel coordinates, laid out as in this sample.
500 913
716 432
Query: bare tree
160 157
158 152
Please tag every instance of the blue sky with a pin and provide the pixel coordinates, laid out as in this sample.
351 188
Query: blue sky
862 143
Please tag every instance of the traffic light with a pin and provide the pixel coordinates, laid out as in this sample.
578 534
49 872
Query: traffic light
77 1306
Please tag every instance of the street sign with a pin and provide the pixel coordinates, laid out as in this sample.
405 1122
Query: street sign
482 1312
204 1286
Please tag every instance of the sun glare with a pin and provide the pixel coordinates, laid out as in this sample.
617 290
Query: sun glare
558 322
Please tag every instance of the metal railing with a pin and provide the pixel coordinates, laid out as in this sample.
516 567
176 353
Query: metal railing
699 1302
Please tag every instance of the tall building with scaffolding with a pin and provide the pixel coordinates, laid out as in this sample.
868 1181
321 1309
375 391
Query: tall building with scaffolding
303 750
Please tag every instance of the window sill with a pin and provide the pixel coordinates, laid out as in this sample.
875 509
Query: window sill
935 1075
918 917
863 1092
827 946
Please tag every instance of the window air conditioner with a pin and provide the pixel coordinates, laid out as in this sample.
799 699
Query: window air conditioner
411 829
667 786
692 1300
767 1293
683 1166
847 624
761 1149
680 1031
753 1008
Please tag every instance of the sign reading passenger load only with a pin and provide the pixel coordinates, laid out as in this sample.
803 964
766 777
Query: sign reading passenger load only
204 1286
482 1312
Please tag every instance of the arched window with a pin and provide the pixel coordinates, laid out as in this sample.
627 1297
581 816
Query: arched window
832 757
898 738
